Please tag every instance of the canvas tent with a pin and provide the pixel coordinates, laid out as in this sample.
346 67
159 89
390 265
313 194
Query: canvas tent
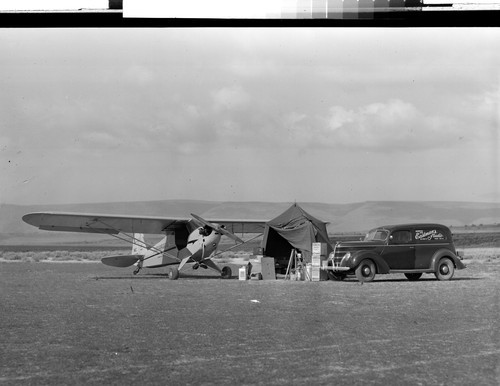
294 228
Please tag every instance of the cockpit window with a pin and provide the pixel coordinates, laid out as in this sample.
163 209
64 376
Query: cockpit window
377 235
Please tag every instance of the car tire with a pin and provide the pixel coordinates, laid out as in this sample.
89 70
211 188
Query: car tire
445 269
365 272
413 276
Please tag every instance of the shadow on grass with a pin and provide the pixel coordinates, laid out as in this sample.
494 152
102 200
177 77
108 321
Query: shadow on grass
129 277
416 281
159 276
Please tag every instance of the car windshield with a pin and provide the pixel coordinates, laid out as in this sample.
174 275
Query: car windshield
377 234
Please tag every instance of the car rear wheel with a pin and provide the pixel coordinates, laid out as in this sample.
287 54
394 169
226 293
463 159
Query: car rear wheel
445 269
365 271
413 276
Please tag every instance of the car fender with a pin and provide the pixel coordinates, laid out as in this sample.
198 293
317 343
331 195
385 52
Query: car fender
359 256
440 253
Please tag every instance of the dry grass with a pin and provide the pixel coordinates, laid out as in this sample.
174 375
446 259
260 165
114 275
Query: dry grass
481 253
93 324
56 256
470 253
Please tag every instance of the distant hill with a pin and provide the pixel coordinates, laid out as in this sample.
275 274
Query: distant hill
342 218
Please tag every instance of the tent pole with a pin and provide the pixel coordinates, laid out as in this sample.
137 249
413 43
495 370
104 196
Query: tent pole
292 255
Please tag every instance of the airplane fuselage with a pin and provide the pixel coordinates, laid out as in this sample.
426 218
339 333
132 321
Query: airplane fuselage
202 243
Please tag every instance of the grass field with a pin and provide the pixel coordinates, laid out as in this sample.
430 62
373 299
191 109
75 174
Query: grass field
88 323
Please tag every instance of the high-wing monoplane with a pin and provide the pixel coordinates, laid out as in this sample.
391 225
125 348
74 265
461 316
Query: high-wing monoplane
187 240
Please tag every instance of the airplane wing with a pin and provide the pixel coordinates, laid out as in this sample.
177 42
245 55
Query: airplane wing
241 226
102 223
114 224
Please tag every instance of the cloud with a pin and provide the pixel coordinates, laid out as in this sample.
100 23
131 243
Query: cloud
100 138
377 126
139 75
230 98
390 126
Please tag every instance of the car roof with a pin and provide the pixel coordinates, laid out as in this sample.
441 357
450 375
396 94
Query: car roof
412 225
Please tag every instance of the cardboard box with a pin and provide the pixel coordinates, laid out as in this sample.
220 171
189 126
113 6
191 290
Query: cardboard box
315 274
316 260
319 249
268 268
318 274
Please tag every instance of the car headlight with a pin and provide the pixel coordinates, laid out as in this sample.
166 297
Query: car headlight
345 257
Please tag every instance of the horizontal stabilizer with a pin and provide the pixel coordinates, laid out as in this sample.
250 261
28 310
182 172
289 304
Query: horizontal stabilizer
121 261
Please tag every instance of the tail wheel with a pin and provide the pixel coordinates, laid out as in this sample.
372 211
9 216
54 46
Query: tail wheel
445 269
413 276
173 274
226 273
365 272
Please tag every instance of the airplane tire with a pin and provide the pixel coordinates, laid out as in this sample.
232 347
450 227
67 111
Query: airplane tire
226 273
173 274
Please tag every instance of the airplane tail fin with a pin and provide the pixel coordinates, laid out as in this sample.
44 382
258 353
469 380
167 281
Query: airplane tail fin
139 247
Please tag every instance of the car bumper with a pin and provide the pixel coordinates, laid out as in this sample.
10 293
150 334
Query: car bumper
336 269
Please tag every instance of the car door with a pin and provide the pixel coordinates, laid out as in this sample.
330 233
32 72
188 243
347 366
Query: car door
428 240
400 251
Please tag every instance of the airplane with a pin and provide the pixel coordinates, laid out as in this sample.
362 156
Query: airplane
187 239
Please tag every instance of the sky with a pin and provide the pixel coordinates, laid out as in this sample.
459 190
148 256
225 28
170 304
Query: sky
334 115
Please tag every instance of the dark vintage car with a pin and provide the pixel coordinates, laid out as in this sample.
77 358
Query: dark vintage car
412 249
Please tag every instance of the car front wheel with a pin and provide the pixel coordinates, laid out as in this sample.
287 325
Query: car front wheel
365 271
445 269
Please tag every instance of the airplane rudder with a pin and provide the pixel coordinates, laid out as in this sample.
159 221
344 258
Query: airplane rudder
138 245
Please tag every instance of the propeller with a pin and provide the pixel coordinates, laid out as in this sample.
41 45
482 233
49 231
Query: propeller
217 228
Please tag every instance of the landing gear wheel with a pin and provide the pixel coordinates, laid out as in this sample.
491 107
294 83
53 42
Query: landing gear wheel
137 271
365 272
445 269
413 276
226 273
337 276
173 274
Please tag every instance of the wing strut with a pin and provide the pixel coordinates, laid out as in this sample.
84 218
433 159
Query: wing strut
132 239
235 246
